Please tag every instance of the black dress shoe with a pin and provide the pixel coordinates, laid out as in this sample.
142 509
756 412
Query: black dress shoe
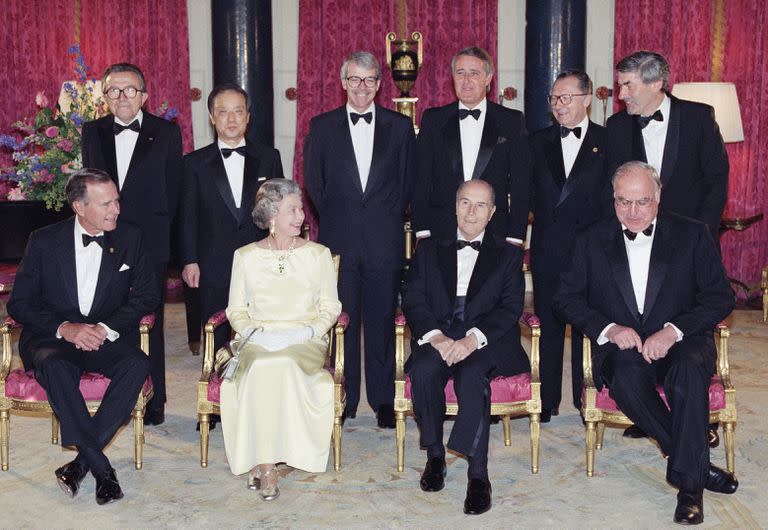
546 414
478 497
385 416
721 481
154 416
107 487
690 508
713 438
433 478
69 476
633 431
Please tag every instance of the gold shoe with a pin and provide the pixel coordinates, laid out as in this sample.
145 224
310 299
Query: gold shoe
269 493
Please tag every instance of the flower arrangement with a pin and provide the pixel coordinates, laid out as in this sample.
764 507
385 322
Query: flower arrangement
46 149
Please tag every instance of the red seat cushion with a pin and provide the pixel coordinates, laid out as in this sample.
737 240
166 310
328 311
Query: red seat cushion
23 386
214 387
503 389
604 401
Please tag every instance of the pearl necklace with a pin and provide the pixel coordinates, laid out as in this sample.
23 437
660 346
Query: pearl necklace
282 259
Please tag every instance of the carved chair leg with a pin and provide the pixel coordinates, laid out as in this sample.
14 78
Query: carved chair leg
54 429
5 428
400 436
728 432
535 425
590 448
336 443
205 423
507 430
600 434
138 435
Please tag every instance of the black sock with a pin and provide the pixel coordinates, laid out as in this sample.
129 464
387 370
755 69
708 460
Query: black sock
96 460
80 459
436 451
478 467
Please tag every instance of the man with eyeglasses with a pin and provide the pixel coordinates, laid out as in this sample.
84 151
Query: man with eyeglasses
472 138
570 191
357 160
142 154
647 287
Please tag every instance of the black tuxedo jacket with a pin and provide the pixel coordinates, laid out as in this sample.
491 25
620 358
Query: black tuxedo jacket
212 228
694 170
150 194
45 292
363 226
494 299
686 286
561 207
503 160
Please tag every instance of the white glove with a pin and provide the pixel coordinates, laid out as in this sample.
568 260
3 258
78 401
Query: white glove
277 340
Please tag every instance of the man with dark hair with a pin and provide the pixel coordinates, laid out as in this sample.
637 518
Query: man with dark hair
357 160
80 292
647 287
142 154
217 196
471 138
569 191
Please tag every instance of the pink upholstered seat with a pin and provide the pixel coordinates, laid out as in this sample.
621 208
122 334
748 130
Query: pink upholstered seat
23 386
503 389
716 397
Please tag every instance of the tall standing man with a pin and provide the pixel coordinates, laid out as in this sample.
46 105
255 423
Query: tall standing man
570 190
356 169
217 196
647 287
471 138
142 154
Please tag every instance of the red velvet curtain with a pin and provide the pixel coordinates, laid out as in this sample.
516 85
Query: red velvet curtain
330 29
36 35
687 33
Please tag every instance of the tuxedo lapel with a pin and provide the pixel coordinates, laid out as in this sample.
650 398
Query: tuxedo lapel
446 261
554 156
661 253
106 270
143 143
250 185
347 149
586 155
638 144
616 253
65 254
486 260
452 142
107 140
487 143
671 143
381 129
219 176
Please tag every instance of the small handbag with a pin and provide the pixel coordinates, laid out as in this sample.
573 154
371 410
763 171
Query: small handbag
228 360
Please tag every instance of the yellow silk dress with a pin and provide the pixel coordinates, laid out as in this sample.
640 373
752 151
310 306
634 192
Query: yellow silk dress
279 406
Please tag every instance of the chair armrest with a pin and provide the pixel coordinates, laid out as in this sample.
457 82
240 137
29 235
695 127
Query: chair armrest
216 320
531 321
586 362
400 323
6 331
342 321
146 323
723 365
339 329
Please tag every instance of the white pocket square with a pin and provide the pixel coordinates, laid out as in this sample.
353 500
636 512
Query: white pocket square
260 179
124 267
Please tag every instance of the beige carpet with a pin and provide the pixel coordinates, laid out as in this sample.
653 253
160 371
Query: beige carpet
628 489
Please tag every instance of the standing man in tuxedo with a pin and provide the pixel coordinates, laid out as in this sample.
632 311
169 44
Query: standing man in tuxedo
463 299
647 287
80 293
570 190
357 160
217 197
471 138
142 154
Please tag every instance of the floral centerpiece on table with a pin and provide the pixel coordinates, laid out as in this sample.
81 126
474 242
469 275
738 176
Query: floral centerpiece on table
46 149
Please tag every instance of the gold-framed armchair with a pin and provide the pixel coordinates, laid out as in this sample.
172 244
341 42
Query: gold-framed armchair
209 384
19 391
600 410
513 396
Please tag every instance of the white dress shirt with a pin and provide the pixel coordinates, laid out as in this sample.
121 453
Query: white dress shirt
235 168
655 136
465 264
125 142
571 146
471 133
362 142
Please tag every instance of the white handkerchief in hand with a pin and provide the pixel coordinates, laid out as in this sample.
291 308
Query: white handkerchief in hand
124 267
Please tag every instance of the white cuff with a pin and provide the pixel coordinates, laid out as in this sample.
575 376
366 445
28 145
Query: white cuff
428 335
602 339
58 330
514 241
482 340
422 234
677 330
112 335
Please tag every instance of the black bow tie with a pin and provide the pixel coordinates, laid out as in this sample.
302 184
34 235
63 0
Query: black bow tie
474 244
368 117
117 128
565 131
226 152
632 235
88 239
643 121
463 113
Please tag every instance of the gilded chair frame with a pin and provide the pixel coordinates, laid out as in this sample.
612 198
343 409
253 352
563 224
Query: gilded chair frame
596 419
531 407
764 288
9 404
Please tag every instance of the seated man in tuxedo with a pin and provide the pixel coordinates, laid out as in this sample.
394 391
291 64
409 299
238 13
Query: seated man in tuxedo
648 287
463 300
80 292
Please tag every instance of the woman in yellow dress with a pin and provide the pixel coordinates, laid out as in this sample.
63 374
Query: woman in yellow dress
279 405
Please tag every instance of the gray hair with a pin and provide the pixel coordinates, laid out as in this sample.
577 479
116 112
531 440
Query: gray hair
269 197
478 181
633 165
474 51
77 183
124 67
651 66
585 83
362 59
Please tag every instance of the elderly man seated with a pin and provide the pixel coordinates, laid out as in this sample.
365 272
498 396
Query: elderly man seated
647 287
463 300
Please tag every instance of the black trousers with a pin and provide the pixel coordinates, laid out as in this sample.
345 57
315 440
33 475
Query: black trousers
157 342
58 366
369 297
681 430
212 300
471 379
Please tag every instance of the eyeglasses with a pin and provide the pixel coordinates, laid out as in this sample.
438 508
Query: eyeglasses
354 81
565 99
640 203
129 92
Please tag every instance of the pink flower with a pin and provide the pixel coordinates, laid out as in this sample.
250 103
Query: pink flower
52 131
41 100
16 195
67 168
45 176
66 145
